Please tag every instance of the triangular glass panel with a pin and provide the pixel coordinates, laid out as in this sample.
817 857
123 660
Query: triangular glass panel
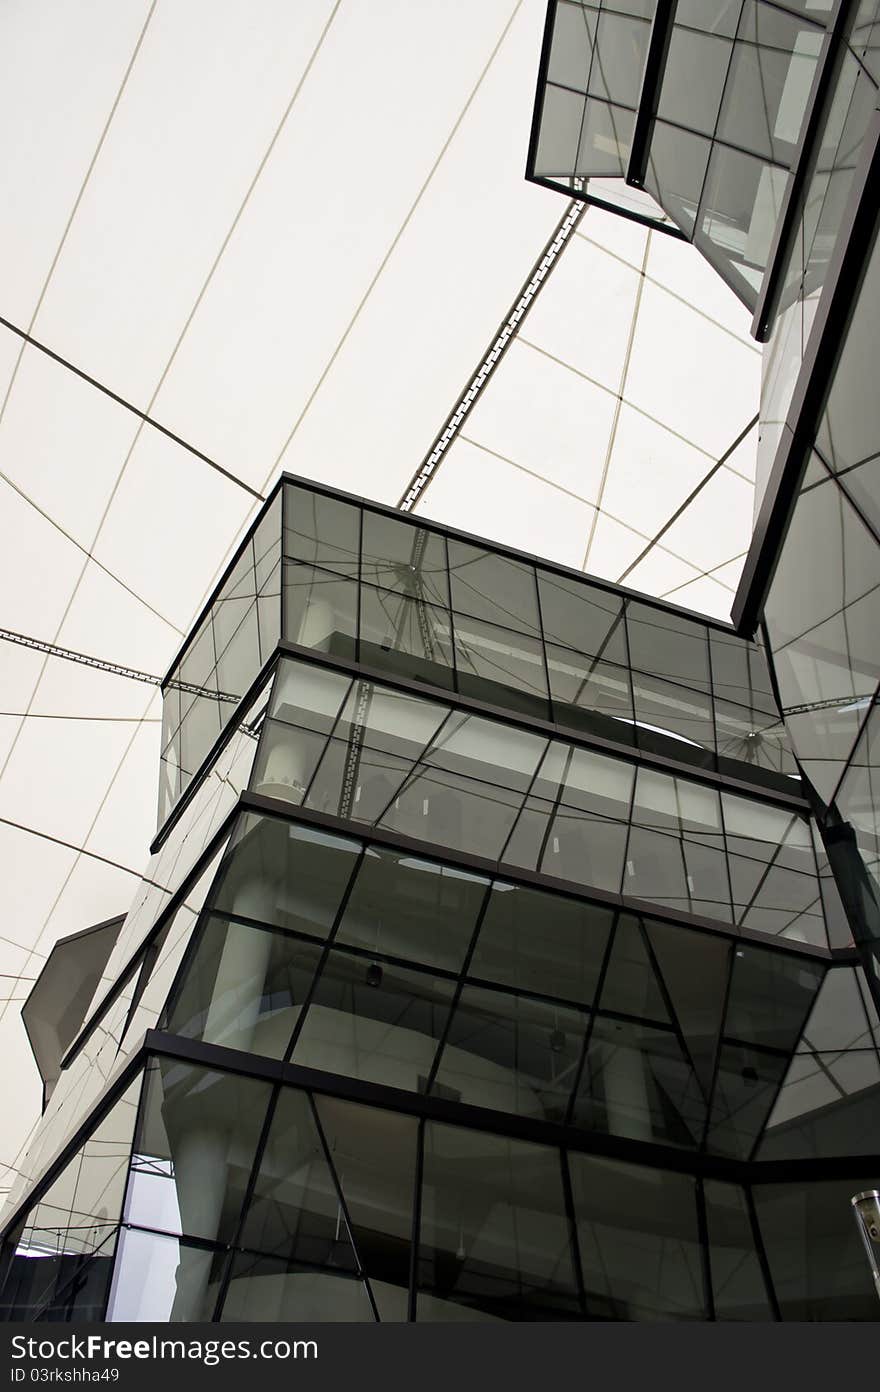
695 968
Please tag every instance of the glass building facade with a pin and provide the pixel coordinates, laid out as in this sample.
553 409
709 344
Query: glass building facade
510 945
490 965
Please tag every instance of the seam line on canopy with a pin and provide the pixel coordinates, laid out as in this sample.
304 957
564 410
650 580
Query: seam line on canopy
690 498
394 243
621 392
79 197
128 406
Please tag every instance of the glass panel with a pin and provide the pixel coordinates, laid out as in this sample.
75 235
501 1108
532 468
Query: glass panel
589 694
739 210
665 645
512 1054
606 140
561 115
375 1020
740 673
196 1141
569 844
294 1211
262 1289
61 1256
737 1282
500 667
771 994
676 854
244 988
745 1089
406 559
619 60
389 720
492 587
574 34
582 617
673 720
374 1156
323 531
405 635
287 875
693 79
816 1259
772 870
533 940
161 1280
676 172
307 696
638 1082
494 1239
632 986
769 84
405 907
463 814
693 969
637 1233
320 610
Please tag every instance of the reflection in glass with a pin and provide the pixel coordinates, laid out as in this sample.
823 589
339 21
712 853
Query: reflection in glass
494 1239
637 1233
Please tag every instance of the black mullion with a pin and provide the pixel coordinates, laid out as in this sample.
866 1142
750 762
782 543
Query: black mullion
451 617
873 701
152 952
557 803
760 1252
325 953
327 742
362 1271
726 852
187 794
262 1141
790 1054
74 1284
138 1114
457 993
186 962
417 765
803 166
359 581
255 606
768 866
629 826
667 1001
526 795
712 697
713 139
542 640
716 1062
591 1019
705 1255
415 1232
649 95
571 1216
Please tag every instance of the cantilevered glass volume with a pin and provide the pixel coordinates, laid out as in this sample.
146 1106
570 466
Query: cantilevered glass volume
490 965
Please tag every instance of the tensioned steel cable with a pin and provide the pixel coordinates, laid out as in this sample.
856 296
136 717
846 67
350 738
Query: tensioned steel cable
507 333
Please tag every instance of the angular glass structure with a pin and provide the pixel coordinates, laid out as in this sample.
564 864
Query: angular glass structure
510 944
490 966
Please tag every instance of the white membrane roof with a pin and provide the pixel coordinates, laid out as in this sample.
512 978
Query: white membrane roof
288 234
